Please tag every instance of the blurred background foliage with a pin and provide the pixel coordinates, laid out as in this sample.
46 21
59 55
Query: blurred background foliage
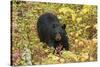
81 22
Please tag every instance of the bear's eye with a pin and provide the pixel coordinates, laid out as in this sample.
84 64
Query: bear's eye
54 25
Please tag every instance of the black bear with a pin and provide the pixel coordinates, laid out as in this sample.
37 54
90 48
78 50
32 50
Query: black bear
51 32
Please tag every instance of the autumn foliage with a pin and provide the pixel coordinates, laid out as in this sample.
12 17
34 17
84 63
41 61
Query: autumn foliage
81 28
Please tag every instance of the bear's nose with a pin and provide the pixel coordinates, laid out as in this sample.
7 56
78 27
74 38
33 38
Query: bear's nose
58 37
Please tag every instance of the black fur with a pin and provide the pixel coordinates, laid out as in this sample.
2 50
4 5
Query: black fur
51 32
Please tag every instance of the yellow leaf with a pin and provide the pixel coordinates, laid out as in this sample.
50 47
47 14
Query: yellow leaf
79 19
62 10
65 10
62 60
84 57
94 40
73 16
76 41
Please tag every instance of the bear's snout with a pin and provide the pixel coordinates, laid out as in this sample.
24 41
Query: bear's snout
58 37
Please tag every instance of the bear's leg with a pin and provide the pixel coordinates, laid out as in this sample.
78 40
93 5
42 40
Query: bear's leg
66 46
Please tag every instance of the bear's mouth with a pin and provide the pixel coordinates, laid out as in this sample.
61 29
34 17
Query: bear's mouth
58 48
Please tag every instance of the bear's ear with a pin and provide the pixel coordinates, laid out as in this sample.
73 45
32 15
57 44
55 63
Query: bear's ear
64 26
